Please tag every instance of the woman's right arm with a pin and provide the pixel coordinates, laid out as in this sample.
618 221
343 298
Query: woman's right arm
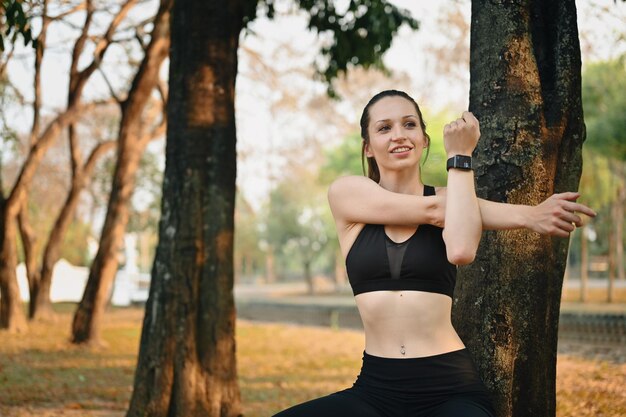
357 199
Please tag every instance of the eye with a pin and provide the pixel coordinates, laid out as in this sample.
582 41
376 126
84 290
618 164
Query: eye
410 124
383 128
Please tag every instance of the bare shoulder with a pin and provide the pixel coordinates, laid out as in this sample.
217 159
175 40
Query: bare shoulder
345 187
348 182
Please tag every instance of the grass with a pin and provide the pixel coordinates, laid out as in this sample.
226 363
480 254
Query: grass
41 374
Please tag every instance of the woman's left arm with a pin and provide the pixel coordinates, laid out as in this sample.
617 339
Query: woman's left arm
554 216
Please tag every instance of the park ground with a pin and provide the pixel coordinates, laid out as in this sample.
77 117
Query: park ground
42 375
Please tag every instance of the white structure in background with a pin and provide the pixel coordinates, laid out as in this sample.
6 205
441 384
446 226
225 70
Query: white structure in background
68 281
131 286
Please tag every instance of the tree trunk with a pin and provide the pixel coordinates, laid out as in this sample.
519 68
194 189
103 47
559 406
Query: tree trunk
29 243
12 317
131 145
10 210
525 90
186 364
40 301
308 277
40 305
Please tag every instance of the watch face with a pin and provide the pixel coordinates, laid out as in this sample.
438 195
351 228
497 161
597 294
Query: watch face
460 162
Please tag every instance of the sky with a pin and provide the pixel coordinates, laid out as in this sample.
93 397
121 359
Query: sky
263 133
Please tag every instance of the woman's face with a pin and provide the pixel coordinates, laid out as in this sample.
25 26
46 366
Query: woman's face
396 137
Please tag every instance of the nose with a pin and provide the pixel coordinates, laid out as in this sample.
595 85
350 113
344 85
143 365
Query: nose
397 132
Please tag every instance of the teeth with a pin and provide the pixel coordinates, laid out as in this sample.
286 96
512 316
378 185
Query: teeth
403 149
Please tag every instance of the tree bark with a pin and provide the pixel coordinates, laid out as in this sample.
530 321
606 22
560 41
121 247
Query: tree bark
186 364
132 142
525 90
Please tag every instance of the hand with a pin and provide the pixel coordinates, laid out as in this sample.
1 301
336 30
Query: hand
461 136
556 215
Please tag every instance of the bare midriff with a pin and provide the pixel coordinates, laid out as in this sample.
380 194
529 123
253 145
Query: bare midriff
407 324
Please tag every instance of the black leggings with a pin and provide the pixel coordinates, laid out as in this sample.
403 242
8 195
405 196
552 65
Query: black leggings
445 385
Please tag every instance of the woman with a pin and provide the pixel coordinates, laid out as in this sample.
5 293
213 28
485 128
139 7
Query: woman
402 241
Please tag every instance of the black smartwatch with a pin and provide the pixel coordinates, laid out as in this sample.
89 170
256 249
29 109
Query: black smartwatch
463 162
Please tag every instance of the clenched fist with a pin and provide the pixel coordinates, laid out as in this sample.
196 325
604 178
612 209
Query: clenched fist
461 136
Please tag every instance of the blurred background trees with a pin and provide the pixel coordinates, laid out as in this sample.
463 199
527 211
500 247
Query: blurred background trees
312 139
81 79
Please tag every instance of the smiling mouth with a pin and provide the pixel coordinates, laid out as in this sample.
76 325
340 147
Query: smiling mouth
401 149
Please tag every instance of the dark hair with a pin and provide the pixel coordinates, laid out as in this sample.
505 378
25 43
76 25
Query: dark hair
372 166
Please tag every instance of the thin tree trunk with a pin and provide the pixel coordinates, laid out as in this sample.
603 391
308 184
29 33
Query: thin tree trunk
12 317
40 305
525 90
29 243
308 277
187 363
131 145
29 240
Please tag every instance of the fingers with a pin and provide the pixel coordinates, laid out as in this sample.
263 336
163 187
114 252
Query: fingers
569 204
469 118
564 230
569 195
570 218
581 208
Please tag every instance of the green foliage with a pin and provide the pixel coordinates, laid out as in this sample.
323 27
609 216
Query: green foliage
9 138
434 166
604 102
298 225
247 236
343 159
598 183
359 36
149 181
14 21
75 247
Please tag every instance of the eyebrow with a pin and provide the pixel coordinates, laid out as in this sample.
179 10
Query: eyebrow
404 117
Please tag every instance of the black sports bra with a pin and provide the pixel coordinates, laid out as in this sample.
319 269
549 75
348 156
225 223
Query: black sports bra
420 263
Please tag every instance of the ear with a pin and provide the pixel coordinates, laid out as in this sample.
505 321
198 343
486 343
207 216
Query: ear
368 151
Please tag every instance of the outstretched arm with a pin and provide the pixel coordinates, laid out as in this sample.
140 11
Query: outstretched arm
554 216
357 199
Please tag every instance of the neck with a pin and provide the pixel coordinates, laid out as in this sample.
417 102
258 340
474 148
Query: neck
403 182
